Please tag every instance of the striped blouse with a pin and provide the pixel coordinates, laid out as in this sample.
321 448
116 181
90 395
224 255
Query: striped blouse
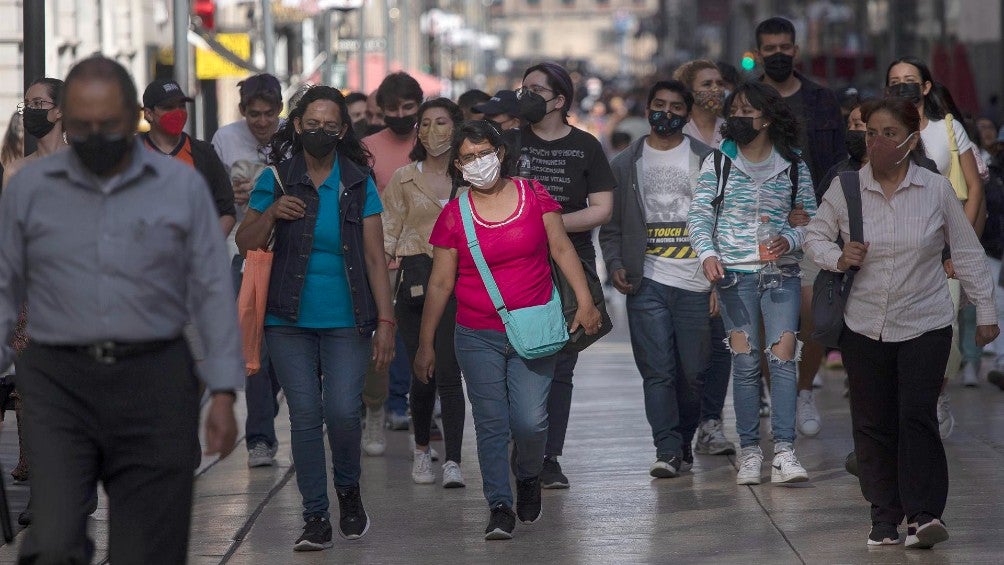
901 291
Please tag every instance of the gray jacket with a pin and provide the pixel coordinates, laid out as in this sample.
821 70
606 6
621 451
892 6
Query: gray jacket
624 237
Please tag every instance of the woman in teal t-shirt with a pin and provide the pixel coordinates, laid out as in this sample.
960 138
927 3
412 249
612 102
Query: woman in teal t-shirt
329 304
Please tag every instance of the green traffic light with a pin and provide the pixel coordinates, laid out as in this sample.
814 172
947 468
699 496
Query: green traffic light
748 63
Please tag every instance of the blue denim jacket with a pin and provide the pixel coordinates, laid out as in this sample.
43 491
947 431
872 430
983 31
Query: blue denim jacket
295 239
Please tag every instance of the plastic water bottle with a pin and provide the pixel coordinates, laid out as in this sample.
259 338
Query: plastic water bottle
770 274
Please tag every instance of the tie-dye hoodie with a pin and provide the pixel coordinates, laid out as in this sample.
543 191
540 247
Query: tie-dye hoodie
746 200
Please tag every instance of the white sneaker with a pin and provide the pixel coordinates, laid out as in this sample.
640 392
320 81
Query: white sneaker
432 450
971 375
946 421
421 468
452 477
261 455
711 439
817 381
374 441
750 461
806 415
786 469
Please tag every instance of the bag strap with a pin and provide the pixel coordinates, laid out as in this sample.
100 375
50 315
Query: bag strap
479 258
793 176
851 185
953 145
722 170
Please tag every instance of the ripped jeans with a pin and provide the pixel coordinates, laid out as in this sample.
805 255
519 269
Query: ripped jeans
744 304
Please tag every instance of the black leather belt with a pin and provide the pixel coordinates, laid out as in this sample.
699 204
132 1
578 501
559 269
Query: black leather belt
110 352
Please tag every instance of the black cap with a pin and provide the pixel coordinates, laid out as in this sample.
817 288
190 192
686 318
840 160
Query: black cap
504 102
162 91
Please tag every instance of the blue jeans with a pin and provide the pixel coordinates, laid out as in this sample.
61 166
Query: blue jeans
714 382
671 341
744 306
399 379
300 356
508 397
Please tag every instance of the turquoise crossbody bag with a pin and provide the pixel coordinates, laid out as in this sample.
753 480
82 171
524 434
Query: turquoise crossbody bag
535 331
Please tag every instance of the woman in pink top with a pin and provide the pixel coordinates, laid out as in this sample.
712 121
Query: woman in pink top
516 223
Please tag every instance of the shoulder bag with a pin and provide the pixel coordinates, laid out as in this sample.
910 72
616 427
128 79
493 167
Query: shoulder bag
535 331
831 289
955 175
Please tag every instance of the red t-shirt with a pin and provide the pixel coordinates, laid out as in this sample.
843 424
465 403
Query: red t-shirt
516 252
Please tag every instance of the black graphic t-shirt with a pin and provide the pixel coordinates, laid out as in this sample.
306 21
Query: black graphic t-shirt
571 168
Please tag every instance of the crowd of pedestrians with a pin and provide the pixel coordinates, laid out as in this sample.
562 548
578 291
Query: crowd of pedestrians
398 223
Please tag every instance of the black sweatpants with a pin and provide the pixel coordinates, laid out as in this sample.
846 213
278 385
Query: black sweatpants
894 389
133 425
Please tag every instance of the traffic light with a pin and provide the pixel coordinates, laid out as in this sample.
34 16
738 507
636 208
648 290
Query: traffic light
749 61
205 10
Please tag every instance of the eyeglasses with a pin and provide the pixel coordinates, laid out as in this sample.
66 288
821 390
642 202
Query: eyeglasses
35 104
534 88
468 159
330 128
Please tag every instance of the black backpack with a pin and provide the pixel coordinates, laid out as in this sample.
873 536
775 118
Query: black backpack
723 166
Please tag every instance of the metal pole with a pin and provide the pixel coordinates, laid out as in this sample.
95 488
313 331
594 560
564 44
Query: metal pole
388 32
181 20
361 52
327 68
34 53
269 33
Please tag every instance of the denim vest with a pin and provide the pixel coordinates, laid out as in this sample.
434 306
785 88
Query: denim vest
294 241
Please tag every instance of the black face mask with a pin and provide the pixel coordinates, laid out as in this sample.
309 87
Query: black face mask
318 142
908 90
740 129
401 125
855 141
665 124
779 66
100 153
532 107
373 128
36 122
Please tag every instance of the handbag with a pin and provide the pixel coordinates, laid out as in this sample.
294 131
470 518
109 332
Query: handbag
831 289
413 279
955 175
534 331
579 339
253 296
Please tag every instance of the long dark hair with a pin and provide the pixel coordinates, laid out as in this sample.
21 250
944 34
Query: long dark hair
784 126
903 111
418 153
479 131
286 142
938 101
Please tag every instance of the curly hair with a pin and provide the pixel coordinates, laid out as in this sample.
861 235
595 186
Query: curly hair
286 142
687 72
479 131
784 126
418 153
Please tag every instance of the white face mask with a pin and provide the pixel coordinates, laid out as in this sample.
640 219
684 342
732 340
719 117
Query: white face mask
483 171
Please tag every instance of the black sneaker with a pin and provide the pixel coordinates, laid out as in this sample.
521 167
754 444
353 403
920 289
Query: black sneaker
316 535
884 533
528 500
996 377
501 523
353 523
688 458
925 533
851 463
551 476
666 467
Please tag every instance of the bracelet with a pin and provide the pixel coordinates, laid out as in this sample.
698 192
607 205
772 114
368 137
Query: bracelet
392 323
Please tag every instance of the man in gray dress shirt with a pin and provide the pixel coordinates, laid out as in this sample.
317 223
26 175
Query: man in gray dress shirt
114 248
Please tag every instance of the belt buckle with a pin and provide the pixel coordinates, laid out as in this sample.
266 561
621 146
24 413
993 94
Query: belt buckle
101 352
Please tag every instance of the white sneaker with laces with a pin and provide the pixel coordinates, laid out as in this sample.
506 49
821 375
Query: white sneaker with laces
750 461
817 381
971 375
786 469
261 455
946 421
432 450
807 417
374 441
452 476
711 439
421 468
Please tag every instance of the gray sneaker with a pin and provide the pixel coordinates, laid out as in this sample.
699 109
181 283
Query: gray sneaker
711 439
261 454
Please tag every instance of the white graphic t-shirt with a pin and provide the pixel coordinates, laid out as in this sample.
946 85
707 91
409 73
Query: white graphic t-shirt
666 193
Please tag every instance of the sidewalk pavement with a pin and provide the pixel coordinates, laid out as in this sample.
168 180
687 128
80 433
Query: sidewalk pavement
613 512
